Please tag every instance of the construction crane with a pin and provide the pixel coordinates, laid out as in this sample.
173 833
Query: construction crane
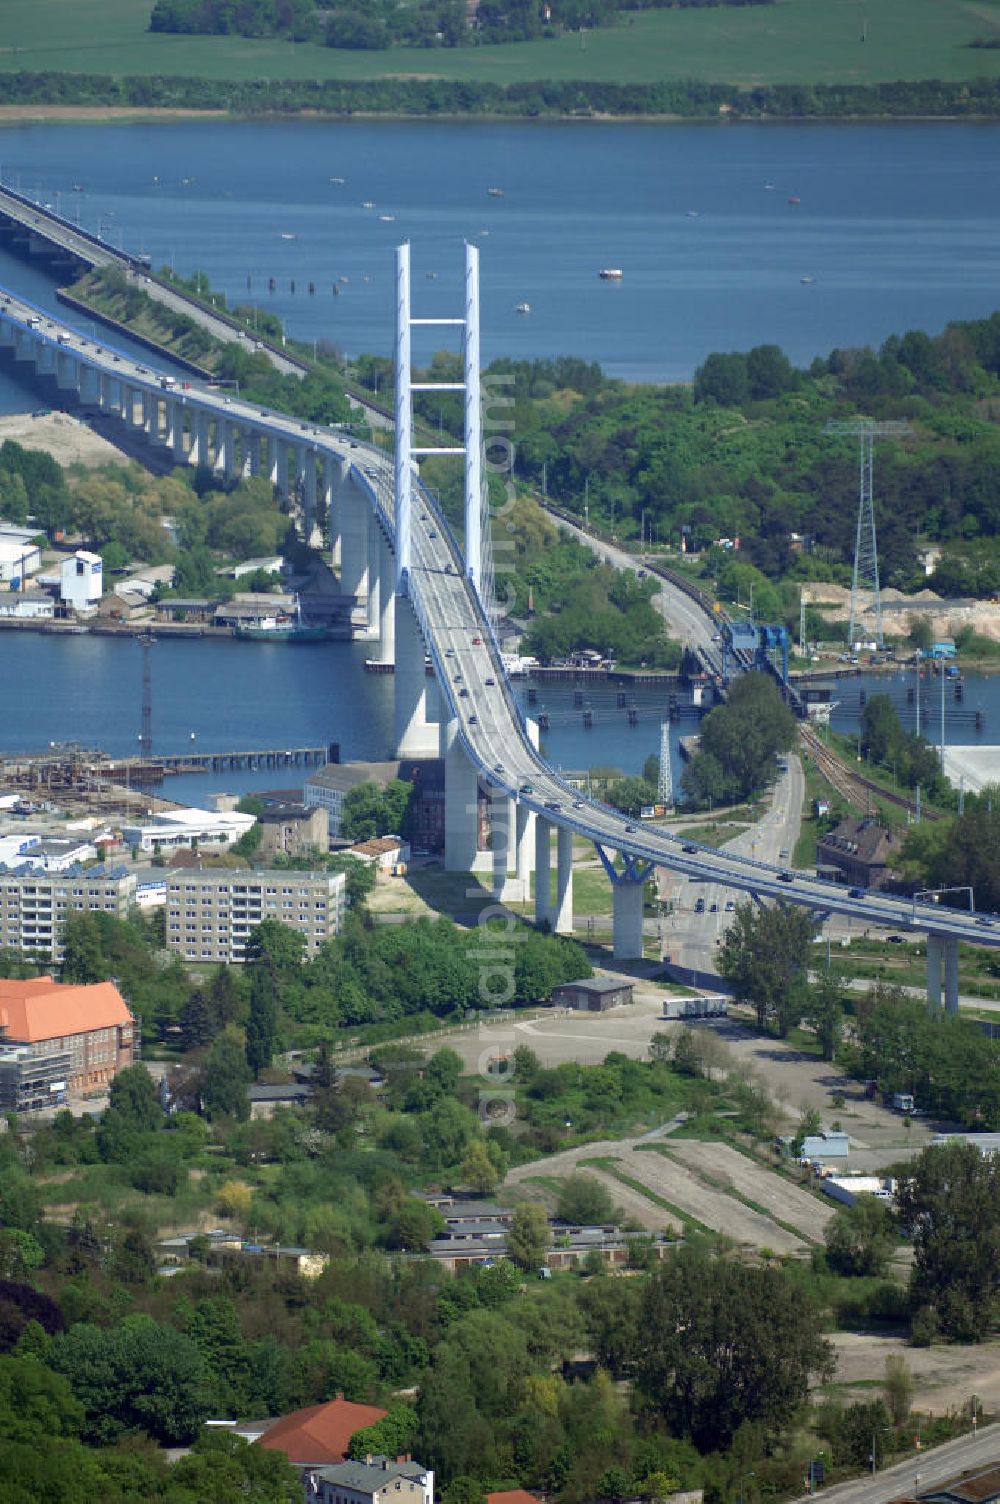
865 575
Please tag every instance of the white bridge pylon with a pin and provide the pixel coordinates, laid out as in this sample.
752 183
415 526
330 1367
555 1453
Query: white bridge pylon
471 449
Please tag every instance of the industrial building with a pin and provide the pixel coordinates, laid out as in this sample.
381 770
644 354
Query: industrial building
593 994
81 581
292 829
186 827
211 913
34 906
20 557
56 1039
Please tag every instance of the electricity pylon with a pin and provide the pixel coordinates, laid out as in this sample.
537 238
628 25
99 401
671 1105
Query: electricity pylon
865 575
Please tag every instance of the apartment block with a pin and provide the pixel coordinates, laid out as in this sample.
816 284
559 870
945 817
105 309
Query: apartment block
34 906
211 913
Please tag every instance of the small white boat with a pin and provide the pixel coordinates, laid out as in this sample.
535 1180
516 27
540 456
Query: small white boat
368 204
287 235
338 180
387 219
807 281
343 279
610 274
495 192
768 187
692 214
523 308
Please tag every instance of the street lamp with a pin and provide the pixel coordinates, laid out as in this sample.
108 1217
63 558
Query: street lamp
935 893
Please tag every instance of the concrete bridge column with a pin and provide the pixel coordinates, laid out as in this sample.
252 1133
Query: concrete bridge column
387 601
934 957
198 453
90 385
307 476
149 412
225 458
524 850
6 332
279 468
28 348
415 735
951 974
562 920
461 803
67 371
107 391
502 821
543 869
251 452
332 506
352 512
177 433
374 621
627 899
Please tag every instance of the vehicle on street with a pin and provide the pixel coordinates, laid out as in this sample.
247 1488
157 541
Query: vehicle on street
527 788
689 849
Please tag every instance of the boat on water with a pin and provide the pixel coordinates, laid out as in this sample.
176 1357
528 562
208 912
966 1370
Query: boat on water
610 274
387 219
523 308
77 187
768 187
495 192
281 626
369 203
794 199
338 180
288 235
807 281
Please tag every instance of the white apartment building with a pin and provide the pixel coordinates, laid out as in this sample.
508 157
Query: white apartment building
211 913
34 906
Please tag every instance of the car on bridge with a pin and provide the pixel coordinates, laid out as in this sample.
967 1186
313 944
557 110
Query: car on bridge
527 788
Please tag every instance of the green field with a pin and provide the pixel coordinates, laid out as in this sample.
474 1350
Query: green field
792 42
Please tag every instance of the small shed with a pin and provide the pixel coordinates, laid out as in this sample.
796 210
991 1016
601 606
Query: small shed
592 994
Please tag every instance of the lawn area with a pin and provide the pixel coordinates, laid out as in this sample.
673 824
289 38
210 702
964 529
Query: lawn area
796 41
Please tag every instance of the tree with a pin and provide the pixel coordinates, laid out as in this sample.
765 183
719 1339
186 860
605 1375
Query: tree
898 1386
584 1200
225 1076
949 1204
860 1239
765 954
478 1171
743 737
35 1402
83 957
823 1008
195 1022
721 1344
141 1375
369 810
275 946
528 1237
262 1021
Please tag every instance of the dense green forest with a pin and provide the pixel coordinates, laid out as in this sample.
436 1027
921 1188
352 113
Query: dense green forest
930 99
408 23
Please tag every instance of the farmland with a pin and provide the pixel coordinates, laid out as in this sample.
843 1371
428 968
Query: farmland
796 42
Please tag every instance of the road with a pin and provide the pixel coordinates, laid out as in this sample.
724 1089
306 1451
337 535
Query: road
919 1474
691 938
473 687
685 620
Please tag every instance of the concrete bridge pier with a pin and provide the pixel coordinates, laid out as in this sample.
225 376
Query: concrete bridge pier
543 870
387 602
251 453
332 508
307 482
177 433
502 820
90 386
562 918
352 509
416 735
461 802
44 357
524 851
199 451
627 906
67 371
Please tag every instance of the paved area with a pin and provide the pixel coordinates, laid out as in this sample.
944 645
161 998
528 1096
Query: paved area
972 767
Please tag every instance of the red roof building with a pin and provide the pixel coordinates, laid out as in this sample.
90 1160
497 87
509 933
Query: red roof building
89 1027
320 1434
511 1496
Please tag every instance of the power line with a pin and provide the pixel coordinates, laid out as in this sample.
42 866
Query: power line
865 575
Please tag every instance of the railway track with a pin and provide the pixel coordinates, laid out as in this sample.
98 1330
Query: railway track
853 787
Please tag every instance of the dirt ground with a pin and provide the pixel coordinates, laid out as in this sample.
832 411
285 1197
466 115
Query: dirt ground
69 441
944 1376
699 1192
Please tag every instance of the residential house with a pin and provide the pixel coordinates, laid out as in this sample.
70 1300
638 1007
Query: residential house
861 851
376 1480
318 1436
